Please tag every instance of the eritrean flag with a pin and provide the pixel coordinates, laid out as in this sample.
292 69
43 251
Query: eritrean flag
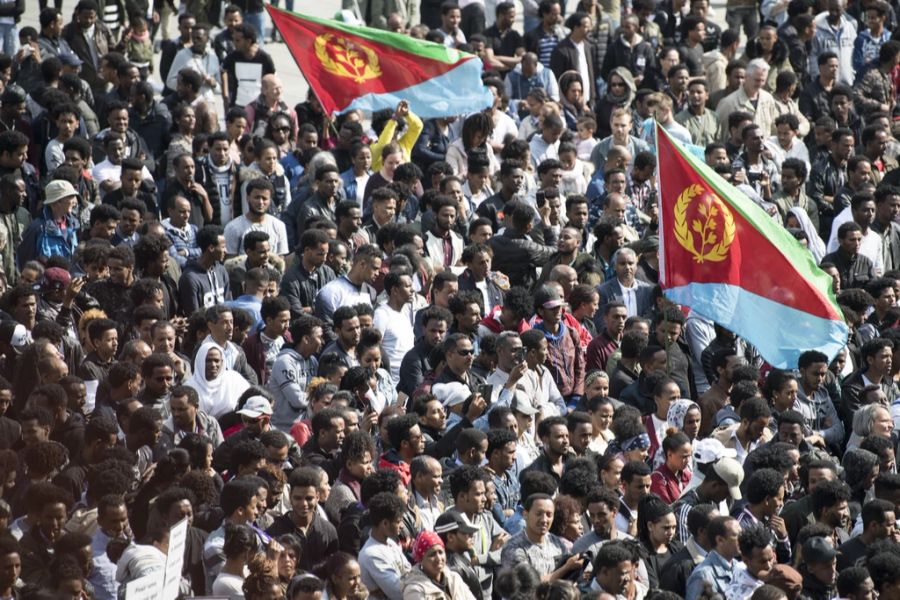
351 67
724 257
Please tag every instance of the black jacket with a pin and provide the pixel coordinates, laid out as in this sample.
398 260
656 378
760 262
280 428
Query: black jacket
135 147
467 282
431 145
301 287
414 367
565 57
855 272
636 59
154 127
674 575
519 256
826 179
639 395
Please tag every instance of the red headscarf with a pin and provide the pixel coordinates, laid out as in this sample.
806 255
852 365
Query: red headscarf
424 541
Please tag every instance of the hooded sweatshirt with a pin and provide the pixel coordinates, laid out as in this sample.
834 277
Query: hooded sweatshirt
202 288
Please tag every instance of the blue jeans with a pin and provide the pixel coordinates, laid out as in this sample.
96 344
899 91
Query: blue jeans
288 4
9 34
258 20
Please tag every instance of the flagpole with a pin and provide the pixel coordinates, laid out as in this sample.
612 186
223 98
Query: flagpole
660 230
312 89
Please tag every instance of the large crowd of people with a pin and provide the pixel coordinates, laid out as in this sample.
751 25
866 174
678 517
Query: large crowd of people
367 355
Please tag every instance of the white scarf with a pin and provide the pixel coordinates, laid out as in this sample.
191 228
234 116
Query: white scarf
219 396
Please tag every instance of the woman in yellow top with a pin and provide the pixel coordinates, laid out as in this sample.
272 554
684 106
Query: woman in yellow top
406 139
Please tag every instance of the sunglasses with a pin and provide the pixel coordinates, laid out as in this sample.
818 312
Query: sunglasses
282 129
468 352
616 84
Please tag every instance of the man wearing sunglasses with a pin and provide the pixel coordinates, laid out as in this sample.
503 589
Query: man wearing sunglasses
459 355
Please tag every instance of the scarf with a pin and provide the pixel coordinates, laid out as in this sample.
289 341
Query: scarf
627 97
220 395
351 482
678 411
636 443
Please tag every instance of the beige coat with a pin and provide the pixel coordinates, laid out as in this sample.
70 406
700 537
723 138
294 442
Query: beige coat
419 586
765 112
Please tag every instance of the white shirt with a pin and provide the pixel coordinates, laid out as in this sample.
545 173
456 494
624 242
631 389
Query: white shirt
397 329
629 298
583 71
106 170
241 226
871 242
228 585
504 125
361 182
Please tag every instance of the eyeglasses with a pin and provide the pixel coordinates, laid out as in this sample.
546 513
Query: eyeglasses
466 352
282 129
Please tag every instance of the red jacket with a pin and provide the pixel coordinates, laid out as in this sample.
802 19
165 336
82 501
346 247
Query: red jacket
256 355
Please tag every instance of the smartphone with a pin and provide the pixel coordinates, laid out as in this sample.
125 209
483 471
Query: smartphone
540 198
486 391
519 355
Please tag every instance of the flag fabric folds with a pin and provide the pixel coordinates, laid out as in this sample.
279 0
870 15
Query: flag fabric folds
723 256
351 67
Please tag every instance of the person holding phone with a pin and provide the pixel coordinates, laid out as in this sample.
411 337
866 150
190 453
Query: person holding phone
536 546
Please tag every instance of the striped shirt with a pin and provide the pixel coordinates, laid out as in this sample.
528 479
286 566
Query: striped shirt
546 45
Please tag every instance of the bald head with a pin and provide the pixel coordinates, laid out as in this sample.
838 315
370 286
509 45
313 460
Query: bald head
272 88
565 276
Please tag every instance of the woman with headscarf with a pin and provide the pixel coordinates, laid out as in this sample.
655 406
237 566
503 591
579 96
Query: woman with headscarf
431 578
571 97
814 242
632 440
620 90
684 415
219 388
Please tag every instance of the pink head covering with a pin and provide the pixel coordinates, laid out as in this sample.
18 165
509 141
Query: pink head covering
424 541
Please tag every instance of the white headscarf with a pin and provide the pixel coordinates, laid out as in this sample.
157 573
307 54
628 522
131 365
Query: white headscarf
816 246
219 396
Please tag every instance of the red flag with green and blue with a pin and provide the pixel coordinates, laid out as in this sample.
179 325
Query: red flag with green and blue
351 67
722 255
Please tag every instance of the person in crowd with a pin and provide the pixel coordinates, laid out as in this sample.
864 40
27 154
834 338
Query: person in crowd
382 376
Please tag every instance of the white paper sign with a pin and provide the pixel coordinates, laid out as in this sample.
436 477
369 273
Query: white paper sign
144 588
174 561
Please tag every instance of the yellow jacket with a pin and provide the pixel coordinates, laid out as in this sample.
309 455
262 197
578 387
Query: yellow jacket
407 140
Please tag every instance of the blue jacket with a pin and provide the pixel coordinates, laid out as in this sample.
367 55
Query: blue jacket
714 570
44 238
866 48
348 180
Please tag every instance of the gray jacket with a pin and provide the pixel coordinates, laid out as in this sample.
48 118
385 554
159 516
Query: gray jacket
291 374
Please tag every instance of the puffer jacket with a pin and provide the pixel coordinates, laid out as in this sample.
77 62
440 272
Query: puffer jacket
419 586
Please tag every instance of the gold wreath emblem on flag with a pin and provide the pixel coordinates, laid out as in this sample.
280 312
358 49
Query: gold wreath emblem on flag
345 58
710 215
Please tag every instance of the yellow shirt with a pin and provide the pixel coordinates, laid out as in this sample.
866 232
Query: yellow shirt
406 141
